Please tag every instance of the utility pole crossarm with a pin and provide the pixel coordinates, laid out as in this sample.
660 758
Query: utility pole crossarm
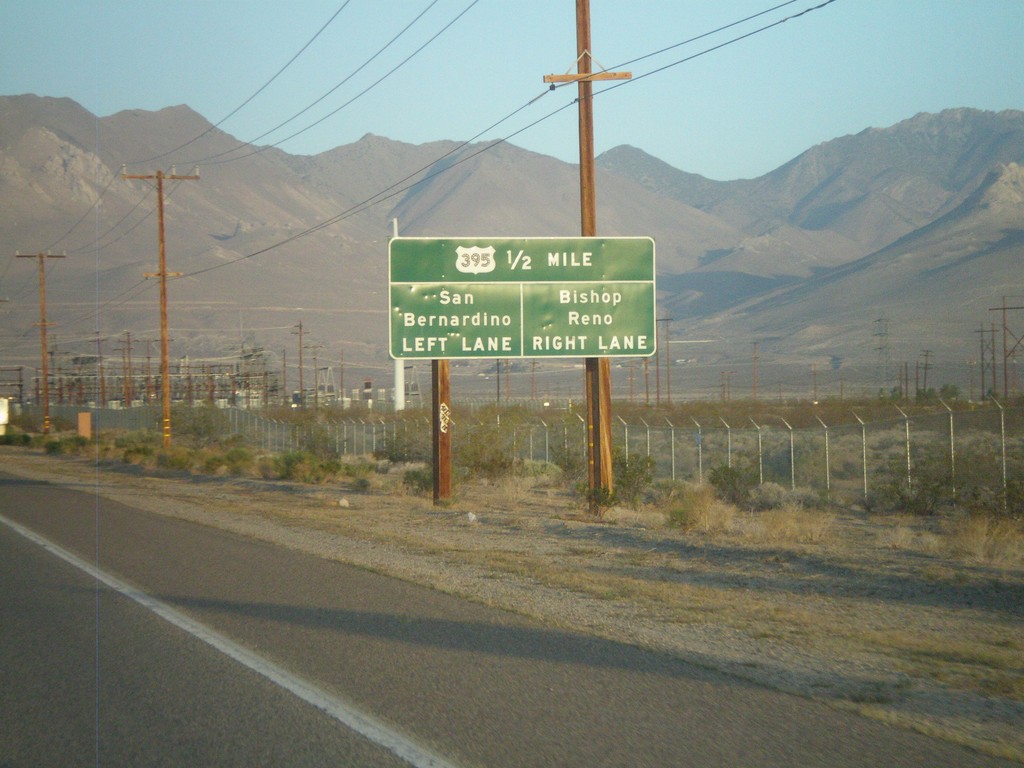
161 175
584 73
590 77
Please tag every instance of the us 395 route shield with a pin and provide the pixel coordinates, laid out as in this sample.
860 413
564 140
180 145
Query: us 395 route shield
494 297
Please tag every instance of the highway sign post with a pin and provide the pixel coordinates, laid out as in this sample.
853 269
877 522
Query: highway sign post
497 297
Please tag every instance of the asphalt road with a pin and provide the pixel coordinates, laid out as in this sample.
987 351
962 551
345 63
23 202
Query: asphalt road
184 645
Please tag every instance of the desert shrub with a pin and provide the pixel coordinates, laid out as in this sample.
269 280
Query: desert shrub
597 499
177 458
291 464
316 440
358 468
805 497
987 539
137 447
304 467
18 438
789 524
775 496
266 467
485 450
632 477
238 460
768 496
924 494
568 454
200 425
408 443
732 484
698 508
418 479
542 472
62 424
212 463
69 445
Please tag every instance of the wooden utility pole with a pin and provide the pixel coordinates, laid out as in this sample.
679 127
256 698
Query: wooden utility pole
42 329
755 344
127 393
284 377
927 354
668 361
163 274
1008 351
101 378
598 369
440 387
981 360
302 391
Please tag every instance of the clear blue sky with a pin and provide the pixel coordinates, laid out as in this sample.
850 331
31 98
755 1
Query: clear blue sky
736 112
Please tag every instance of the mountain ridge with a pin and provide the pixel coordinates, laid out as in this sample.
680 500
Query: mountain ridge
794 255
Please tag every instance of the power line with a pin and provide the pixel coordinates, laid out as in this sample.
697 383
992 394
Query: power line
395 189
717 47
374 199
308 107
359 95
96 202
256 93
231 114
382 196
702 36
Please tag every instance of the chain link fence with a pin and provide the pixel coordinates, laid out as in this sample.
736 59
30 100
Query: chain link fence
950 454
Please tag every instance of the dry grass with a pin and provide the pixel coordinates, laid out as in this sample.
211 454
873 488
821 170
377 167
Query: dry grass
986 539
640 518
698 510
988 665
789 524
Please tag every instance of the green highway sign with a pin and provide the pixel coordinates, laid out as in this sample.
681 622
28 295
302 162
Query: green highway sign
521 297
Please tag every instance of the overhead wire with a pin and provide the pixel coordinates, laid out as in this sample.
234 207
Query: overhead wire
703 35
96 243
716 47
208 130
374 84
395 189
255 93
385 195
244 103
353 73
391 191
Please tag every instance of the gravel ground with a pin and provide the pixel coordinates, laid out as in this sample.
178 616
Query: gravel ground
873 615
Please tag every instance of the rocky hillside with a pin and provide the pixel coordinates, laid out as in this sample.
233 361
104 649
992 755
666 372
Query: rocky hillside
919 223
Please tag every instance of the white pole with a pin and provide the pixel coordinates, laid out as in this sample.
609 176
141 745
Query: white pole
399 364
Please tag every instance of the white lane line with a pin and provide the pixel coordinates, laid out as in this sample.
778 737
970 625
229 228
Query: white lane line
343 711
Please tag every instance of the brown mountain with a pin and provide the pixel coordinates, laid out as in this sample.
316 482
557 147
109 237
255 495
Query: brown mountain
901 222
